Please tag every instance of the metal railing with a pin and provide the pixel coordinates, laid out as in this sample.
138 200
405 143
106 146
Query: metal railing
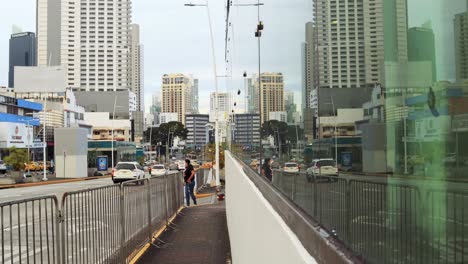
384 222
100 225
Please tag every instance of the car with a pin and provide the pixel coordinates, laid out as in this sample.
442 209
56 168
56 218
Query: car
3 168
41 165
291 167
127 171
275 165
322 167
158 170
31 166
180 165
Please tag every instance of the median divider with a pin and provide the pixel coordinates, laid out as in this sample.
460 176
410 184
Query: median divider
106 224
32 184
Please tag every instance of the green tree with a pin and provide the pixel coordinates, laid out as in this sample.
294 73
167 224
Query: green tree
276 129
293 136
17 158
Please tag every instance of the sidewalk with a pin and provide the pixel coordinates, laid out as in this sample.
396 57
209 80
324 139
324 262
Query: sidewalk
201 237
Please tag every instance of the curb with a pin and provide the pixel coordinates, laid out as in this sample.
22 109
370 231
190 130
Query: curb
33 184
156 235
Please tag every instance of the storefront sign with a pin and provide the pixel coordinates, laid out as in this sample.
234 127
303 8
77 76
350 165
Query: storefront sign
102 163
16 135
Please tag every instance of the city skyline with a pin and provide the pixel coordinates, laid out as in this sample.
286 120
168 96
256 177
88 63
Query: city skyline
197 55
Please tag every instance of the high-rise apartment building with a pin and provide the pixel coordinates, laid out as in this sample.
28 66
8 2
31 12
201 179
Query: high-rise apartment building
91 39
196 126
308 52
177 95
246 129
350 51
421 47
195 96
272 94
137 68
309 83
290 106
224 102
22 53
251 95
461 45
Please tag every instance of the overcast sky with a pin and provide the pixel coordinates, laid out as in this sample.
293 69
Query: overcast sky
176 39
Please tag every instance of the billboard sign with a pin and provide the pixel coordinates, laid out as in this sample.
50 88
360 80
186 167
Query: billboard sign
102 163
346 159
16 135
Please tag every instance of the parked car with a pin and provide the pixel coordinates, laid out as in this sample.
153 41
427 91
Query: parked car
291 167
127 171
41 165
3 168
158 170
31 166
322 167
173 167
180 165
275 165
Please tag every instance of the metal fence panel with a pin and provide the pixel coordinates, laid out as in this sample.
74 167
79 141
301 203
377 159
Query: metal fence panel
29 231
91 227
137 225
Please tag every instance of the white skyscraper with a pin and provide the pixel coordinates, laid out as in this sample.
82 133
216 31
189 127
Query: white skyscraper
91 39
137 67
350 48
224 102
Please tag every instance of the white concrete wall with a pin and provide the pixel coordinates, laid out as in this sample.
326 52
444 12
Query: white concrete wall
257 232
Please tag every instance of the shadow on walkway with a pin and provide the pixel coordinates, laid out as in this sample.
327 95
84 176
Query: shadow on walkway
201 236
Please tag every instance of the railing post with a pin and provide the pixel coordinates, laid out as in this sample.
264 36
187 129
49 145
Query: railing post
293 191
165 199
315 196
148 196
348 211
122 223
60 231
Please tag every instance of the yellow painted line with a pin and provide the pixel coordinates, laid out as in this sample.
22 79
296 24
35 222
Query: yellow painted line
201 195
32 184
158 233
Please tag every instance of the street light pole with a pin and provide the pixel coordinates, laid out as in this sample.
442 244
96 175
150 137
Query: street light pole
151 146
336 136
113 118
45 141
218 183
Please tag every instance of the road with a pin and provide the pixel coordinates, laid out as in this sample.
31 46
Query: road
91 220
387 220
50 189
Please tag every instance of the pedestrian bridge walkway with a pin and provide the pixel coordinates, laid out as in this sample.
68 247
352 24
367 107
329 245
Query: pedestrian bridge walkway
146 222
198 235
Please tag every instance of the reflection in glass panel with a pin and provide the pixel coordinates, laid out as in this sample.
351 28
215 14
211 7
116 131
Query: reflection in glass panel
380 89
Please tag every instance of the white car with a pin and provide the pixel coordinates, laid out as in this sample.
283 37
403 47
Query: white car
127 171
291 167
158 170
3 168
181 165
322 167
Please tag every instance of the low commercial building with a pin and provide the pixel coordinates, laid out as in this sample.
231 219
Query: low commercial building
102 126
246 130
18 128
196 126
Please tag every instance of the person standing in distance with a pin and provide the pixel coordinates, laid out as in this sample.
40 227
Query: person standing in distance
189 178
266 169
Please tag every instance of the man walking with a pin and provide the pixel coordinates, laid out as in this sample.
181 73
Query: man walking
189 178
